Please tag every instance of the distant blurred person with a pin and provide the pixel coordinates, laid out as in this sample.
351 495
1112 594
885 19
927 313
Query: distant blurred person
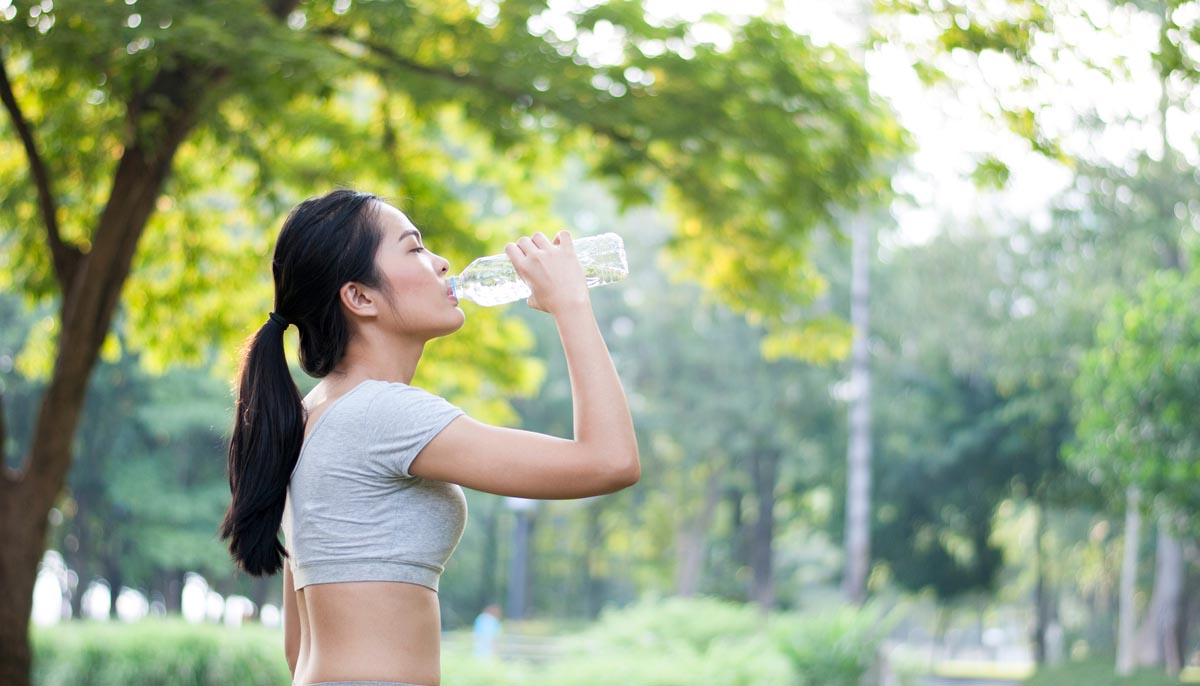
364 474
487 630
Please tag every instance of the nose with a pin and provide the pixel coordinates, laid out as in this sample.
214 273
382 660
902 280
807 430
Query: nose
445 265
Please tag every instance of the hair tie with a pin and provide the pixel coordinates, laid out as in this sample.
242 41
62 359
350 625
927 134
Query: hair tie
280 320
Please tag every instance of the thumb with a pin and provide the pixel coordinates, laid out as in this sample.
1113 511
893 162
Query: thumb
532 301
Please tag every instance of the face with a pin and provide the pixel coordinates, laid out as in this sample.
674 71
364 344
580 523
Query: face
420 302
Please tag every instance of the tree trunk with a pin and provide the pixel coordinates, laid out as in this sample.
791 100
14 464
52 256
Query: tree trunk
77 596
488 565
765 466
1039 589
520 565
1191 603
173 591
262 591
593 588
692 538
1159 640
1044 603
159 116
1127 612
858 472
172 100
116 580
737 524
165 585
77 560
24 539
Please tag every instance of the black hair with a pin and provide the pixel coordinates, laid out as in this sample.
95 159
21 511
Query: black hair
324 243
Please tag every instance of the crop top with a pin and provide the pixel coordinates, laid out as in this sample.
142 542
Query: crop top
353 512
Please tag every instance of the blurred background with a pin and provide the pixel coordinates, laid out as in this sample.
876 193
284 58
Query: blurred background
911 334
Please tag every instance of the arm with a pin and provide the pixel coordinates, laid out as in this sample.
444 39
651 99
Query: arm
603 455
291 620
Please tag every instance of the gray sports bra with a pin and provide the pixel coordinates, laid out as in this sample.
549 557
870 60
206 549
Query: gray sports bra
353 511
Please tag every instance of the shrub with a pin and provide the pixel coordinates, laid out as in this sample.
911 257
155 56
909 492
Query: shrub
832 648
157 652
669 642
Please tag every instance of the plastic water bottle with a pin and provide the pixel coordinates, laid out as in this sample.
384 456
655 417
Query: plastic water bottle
493 280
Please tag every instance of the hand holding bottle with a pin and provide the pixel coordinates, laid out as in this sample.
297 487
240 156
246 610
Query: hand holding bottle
551 270
493 280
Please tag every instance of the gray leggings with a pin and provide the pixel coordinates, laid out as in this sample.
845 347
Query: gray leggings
362 683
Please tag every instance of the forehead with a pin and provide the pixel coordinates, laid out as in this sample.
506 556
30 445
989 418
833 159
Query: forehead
393 221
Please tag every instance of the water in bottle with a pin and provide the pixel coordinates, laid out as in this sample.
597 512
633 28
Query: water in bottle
492 280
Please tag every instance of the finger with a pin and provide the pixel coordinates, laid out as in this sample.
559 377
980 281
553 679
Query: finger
514 252
526 245
539 239
564 239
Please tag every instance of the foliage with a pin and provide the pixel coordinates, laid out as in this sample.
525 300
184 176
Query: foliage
976 407
1139 392
149 152
157 652
1040 62
756 137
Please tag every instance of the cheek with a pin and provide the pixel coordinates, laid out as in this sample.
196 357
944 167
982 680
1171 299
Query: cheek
415 289
410 278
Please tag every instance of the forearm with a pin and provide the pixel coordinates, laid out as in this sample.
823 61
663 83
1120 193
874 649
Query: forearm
601 412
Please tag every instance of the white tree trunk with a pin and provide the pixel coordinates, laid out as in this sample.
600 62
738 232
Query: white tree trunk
1159 640
1127 613
858 471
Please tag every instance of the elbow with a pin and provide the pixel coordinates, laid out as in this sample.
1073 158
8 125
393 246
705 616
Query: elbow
628 472
633 475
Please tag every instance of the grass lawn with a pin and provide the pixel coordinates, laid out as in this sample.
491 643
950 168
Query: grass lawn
1101 672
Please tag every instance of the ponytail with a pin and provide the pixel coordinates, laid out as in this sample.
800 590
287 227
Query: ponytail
325 242
268 431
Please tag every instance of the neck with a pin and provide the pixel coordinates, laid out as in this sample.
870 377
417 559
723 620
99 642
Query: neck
371 354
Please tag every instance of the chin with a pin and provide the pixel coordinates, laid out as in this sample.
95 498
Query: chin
459 321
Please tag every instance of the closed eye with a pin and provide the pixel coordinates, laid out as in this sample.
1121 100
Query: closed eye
419 248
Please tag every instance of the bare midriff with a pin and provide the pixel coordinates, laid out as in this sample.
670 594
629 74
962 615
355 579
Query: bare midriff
368 631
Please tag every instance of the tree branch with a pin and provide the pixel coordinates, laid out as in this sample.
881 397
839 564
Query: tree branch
163 113
66 257
481 83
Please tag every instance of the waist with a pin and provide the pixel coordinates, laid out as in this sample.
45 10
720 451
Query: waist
372 631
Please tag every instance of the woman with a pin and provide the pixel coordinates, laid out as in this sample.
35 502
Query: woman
364 473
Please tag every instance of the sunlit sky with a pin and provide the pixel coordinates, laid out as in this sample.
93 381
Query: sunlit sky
950 126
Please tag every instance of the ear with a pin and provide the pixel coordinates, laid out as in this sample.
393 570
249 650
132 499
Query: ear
359 300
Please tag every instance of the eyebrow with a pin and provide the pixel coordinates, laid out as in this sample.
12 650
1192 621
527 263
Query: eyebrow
410 232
